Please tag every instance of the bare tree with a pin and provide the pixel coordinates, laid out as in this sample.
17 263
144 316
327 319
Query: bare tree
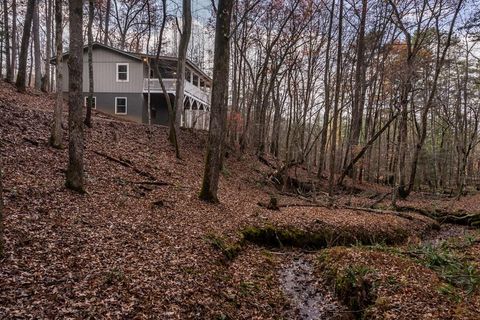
48 40
37 57
56 135
6 34
75 174
338 84
2 241
182 61
107 22
22 65
171 115
218 118
88 117
14 39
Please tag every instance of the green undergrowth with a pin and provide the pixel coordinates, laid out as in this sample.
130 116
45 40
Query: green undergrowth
355 287
354 284
356 281
450 264
446 258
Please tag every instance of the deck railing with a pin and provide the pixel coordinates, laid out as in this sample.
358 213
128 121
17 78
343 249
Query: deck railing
170 85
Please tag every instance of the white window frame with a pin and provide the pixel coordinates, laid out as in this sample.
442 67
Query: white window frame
126 105
94 99
128 71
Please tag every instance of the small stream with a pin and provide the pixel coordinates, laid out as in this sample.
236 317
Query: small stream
448 231
308 297
311 299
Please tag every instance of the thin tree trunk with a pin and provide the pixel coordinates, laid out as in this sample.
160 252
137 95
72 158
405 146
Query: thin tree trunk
182 61
218 118
2 241
6 35
88 117
56 136
14 39
36 47
423 135
75 174
156 70
358 95
338 83
22 65
46 82
107 22
326 80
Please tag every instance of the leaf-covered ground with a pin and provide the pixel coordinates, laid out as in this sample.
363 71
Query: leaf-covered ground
132 249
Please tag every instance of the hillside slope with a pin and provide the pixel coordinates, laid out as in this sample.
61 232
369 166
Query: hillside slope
140 244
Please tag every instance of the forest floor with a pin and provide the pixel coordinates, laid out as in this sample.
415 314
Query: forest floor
140 244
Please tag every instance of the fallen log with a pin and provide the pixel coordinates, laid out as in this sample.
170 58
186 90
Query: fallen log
154 183
31 141
380 200
108 157
264 160
443 216
127 164
396 213
321 205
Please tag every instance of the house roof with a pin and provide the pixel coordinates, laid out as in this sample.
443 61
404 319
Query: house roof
136 56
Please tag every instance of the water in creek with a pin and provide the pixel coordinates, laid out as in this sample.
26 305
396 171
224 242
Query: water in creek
308 296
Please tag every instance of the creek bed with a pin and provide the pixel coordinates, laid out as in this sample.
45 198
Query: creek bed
307 294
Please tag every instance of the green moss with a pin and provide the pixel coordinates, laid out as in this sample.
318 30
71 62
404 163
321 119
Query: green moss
273 236
279 237
229 250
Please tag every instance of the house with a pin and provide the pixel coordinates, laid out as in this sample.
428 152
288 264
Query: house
124 86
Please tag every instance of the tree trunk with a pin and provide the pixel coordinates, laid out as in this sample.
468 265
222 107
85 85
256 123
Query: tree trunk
56 137
326 80
338 83
158 75
2 243
6 35
182 61
358 95
36 46
218 118
75 175
423 135
22 63
14 39
88 117
46 82
107 22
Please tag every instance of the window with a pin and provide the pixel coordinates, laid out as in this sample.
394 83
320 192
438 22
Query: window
122 72
196 80
94 99
120 105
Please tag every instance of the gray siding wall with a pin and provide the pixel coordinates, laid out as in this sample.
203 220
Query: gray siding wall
104 72
136 107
